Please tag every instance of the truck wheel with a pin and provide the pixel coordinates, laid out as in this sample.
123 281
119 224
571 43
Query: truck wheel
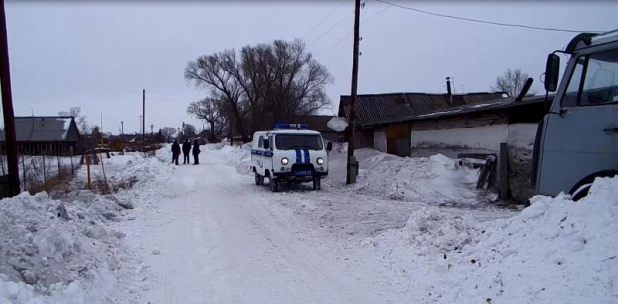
317 183
274 184
580 190
259 180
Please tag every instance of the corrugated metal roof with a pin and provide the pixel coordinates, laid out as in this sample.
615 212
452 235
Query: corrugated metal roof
372 109
503 103
41 128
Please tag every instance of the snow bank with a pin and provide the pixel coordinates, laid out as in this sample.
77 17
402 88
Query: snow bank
69 252
52 253
236 156
555 251
435 180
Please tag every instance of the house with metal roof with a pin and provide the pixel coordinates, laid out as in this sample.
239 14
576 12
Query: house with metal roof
411 124
380 117
46 135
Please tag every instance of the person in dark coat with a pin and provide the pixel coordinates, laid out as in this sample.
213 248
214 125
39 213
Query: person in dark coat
186 149
196 152
175 152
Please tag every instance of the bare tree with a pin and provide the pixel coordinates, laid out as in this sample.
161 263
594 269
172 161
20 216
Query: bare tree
168 132
511 83
212 111
189 130
80 120
267 83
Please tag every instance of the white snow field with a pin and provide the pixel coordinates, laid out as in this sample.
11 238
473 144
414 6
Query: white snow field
412 230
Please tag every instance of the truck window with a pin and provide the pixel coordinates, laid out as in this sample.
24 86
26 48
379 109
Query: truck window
594 81
261 142
294 141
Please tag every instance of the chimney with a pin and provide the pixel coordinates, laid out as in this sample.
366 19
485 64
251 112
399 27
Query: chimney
525 89
449 93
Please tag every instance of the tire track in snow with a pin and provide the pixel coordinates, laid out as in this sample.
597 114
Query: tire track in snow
220 244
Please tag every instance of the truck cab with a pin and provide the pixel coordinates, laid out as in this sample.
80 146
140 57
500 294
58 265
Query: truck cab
577 141
290 153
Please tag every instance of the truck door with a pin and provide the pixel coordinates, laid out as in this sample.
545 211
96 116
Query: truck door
581 135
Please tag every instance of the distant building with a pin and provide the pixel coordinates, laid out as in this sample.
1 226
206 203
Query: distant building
48 135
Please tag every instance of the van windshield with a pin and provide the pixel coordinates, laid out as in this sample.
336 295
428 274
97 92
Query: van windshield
298 141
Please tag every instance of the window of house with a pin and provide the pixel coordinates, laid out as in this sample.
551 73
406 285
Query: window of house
594 81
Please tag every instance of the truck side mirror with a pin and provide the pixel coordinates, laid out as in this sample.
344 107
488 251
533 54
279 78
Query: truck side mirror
266 144
552 69
329 146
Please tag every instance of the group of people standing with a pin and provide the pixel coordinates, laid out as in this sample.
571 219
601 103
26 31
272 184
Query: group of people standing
186 150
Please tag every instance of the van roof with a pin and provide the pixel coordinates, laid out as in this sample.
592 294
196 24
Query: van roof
290 131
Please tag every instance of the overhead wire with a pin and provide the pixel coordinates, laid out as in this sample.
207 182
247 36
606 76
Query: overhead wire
324 19
331 29
487 22
351 31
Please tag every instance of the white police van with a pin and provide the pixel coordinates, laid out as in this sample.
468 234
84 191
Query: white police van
289 154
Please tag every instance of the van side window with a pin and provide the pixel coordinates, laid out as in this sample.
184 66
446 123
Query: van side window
270 140
261 142
594 81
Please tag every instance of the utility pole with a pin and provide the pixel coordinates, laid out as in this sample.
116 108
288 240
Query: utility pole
121 127
144 118
151 130
101 129
352 163
7 108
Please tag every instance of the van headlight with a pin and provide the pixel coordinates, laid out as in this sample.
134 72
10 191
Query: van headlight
320 161
284 161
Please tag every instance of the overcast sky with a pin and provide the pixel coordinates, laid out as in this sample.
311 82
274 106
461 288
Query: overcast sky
100 56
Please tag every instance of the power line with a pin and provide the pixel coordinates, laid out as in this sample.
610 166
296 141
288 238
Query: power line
332 28
337 24
324 19
351 31
487 22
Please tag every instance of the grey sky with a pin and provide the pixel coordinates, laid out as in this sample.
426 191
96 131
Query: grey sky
100 56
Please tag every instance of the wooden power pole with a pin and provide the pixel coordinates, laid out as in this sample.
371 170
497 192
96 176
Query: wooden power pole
10 136
352 164
143 118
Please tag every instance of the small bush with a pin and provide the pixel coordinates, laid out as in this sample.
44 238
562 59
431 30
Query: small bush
104 186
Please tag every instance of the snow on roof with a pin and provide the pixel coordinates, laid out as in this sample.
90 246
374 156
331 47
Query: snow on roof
51 128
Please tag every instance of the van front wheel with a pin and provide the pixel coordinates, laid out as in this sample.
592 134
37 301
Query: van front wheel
259 180
274 184
317 183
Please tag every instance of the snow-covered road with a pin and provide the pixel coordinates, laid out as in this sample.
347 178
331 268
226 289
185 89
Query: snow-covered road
218 242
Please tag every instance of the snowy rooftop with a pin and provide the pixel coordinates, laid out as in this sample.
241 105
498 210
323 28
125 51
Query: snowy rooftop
41 128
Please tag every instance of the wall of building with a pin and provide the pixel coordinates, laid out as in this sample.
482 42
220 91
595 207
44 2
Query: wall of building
484 139
379 141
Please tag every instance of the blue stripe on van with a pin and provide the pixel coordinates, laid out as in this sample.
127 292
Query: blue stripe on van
307 156
298 156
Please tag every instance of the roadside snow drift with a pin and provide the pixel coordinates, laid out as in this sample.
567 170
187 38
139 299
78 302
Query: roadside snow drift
70 252
555 251
433 180
57 255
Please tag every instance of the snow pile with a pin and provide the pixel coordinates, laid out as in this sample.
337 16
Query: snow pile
236 156
52 253
435 180
431 230
554 251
